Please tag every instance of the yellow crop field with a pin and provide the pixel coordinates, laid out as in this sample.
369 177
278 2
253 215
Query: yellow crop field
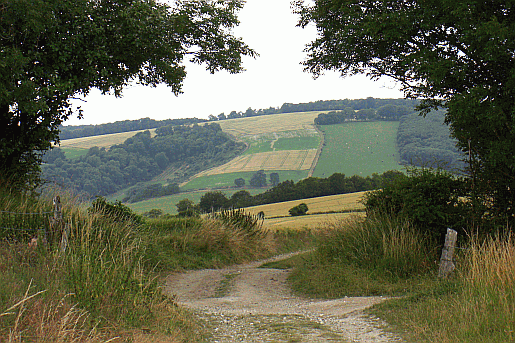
272 160
307 222
269 124
101 141
277 216
340 202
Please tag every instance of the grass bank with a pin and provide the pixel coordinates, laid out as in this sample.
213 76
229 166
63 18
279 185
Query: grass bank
382 256
107 285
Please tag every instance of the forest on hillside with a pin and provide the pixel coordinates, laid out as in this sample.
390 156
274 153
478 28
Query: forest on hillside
426 141
370 108
78 131
187 149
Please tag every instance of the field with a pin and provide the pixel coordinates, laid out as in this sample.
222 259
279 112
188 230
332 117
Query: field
227 180
260 125
167 203
359 148
277 160
277 216
74 153
331 203
307 222
101 141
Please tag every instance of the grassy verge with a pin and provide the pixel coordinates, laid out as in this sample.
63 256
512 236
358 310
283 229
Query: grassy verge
477 305
108 285
381 256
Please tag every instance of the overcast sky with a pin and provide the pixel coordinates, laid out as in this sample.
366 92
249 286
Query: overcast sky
274 78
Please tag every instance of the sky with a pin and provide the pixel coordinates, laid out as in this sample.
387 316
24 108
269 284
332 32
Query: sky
274 78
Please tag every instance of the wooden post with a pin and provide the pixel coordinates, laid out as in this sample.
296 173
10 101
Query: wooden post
56 223
446 264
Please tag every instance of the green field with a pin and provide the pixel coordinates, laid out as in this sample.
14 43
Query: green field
74 153
167 203
227 180
359 148
297 143
286 140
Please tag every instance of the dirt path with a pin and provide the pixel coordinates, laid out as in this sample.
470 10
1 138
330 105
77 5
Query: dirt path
245 303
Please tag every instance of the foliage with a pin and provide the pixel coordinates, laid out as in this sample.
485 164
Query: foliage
213 201
114 211
155 190
458 55
239 182
153 213
425 140
55 50
386 112
78 131
251 224
186 208
142 157
274 179
298 210
430 199
258 179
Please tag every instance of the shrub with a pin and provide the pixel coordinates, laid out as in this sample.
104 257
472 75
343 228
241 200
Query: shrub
114 211
298 210
431 199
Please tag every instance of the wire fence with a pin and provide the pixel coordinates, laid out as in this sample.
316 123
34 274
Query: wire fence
46 226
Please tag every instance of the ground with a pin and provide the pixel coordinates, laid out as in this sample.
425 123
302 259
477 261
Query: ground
245 303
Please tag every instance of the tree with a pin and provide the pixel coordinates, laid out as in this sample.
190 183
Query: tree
274 179
185 208
258 179
453 54
239 182
241 199
53 50
298 210
213 201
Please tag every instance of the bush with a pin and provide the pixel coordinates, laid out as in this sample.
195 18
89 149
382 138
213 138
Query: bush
114 211
431 199
298 210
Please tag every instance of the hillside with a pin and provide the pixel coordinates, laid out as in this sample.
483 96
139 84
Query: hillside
354 139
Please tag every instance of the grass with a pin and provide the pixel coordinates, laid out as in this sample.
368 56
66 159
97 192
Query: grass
297 143
365 257
477 305
167 203
326 204
227 180
105 141
74 153
108 283
260 125
359 148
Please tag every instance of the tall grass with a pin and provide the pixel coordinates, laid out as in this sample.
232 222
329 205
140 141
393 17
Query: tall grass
90 292
392 247
365 256
477 305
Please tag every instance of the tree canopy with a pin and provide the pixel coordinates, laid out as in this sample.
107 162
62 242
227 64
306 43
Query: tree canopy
456 54
54 50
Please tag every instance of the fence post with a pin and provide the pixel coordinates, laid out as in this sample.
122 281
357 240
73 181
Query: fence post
446 264
58 231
